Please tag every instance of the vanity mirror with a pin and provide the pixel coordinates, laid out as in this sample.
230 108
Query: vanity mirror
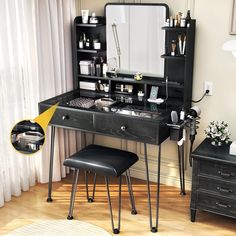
135 38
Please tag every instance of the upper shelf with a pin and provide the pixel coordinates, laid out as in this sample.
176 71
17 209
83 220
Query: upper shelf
90 50
174 28
89 25
178 57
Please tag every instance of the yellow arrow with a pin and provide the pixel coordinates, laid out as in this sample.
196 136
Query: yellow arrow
44 118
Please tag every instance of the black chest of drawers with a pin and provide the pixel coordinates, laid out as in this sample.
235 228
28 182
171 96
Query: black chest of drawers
213 180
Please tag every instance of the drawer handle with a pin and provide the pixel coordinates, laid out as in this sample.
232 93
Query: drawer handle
123 128
224 190
223 205
225 175
65 117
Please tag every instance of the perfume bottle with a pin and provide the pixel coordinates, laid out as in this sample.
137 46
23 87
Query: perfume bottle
93 19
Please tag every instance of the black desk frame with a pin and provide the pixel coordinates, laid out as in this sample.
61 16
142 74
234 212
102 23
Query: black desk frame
153 228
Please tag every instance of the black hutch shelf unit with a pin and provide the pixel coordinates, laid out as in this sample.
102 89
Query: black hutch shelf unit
91 31
179 68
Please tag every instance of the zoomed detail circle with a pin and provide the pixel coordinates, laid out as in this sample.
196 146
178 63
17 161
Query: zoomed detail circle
27 137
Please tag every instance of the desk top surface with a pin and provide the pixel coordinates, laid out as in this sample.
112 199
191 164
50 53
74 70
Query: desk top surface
115 104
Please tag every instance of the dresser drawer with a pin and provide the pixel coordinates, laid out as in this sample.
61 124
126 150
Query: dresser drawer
127 128
73 118
215 204
217 187
220 171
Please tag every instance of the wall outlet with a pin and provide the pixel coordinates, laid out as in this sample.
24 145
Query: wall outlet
208 85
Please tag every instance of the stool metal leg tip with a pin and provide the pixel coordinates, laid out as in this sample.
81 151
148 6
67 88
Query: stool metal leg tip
182 193
134 212
154 229
116 231
90 199
49 199
70 217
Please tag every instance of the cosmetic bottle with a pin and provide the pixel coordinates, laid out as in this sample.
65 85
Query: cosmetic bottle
171 21
87 43
93 19
183 22
98 70
92 68
104 69
173 48
188 18
84 40
81 43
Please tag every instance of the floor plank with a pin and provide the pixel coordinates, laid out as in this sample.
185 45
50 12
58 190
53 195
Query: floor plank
174 210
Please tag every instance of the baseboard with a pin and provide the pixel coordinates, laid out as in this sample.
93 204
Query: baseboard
165 179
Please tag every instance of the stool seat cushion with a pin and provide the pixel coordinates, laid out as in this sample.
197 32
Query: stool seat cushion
102 160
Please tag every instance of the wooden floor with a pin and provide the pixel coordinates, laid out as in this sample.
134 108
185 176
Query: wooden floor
173 221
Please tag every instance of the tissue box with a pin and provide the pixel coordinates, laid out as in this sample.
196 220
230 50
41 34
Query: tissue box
232 148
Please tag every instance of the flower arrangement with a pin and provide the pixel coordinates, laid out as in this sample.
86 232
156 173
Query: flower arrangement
218 133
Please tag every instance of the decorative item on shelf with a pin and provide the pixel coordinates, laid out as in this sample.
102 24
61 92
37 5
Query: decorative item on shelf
106 88
181 44
173 48
104 69
138 76
85 16
188 18
93 19
218 133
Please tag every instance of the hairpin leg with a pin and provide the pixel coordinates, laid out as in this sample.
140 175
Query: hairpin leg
49 199
115 230
153 228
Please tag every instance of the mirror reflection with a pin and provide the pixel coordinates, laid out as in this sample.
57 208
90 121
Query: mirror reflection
135 40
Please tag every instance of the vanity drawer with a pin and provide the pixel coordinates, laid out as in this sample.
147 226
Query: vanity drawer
74 119
129 128
218 170
218 205
217 187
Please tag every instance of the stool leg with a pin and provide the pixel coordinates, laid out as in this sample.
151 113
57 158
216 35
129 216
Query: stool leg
115 230
90 199
131 195
73 193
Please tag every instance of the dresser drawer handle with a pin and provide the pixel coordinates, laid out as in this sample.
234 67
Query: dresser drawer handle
223 205
224 190
65 117
225 175
123 128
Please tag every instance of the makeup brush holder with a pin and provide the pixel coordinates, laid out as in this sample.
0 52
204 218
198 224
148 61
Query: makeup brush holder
176 131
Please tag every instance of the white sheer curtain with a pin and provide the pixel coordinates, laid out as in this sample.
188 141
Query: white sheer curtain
35 64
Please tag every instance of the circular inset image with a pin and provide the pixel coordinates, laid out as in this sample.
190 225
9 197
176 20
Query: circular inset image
27 137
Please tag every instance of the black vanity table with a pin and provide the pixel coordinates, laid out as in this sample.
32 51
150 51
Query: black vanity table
125 115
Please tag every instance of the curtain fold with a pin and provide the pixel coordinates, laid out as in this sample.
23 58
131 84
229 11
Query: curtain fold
35 64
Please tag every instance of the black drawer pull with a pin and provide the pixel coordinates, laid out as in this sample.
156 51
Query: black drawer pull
65 117
224 190
123 128
225 175
223 205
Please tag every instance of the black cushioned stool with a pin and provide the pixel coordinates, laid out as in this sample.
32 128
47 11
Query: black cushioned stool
107 162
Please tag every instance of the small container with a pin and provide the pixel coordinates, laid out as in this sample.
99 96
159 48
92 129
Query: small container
97 45
92 68
106 88
182 22
104 69
98 70
85 67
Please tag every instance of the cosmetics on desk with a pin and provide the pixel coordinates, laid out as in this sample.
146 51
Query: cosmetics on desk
89 42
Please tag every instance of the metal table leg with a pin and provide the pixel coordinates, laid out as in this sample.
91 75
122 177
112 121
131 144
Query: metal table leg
181 169
49 199
153 228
